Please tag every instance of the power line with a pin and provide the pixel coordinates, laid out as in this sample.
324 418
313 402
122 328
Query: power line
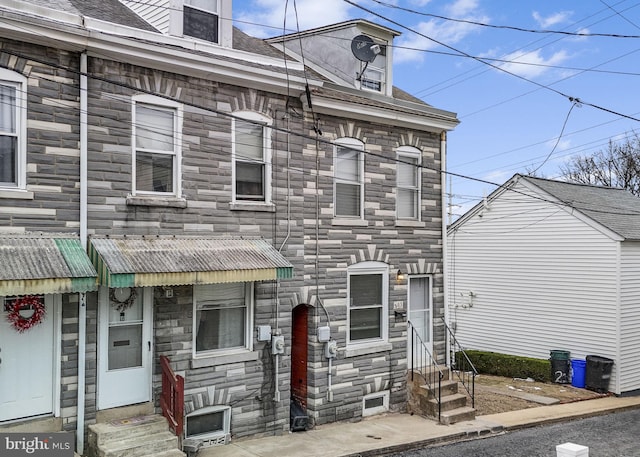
507 27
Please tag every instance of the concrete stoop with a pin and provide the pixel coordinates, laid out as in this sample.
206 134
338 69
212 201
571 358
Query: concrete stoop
140 436
423 400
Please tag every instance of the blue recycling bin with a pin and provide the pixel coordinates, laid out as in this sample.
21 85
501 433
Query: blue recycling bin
578 372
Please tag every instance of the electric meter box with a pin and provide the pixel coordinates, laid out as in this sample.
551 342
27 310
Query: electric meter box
324 334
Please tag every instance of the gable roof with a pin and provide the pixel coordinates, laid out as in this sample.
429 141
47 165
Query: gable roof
614 208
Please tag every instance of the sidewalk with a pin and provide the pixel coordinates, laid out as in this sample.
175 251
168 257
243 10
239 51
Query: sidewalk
400 432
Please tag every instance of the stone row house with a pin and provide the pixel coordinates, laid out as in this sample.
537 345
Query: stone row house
170 186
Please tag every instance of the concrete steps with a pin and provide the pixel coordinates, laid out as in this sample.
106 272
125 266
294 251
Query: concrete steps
423 400
140 436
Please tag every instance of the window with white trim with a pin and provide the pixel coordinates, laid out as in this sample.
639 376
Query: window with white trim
348 166
408 183
367 296
375 403
201 19
251 158
157 140
223 317
13 130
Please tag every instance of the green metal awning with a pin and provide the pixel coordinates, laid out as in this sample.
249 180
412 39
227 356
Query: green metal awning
138 261
41 263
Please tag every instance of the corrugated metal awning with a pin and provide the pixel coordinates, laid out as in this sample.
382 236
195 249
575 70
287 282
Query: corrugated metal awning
130 261
41 263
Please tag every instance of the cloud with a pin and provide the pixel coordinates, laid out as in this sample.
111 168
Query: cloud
265 18
446 32
461 8
553 19
521 64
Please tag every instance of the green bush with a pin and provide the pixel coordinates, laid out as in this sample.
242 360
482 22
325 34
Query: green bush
510 366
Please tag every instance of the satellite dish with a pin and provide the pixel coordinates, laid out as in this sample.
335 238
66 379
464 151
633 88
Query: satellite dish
364 48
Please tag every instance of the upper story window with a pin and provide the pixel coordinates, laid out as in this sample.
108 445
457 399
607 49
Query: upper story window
223 317
408 183
348 175
251 158
373 75
201 19
157 139
367 296
13 130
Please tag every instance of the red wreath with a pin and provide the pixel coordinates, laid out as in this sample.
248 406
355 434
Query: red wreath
21 323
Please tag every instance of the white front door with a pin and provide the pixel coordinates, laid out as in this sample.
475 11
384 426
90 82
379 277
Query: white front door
125 349
27 365
419 311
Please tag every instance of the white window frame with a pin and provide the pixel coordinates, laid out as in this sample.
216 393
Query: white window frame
19 82
266 122
351 144
375 410
366 81
402 154
216 12
214 435
178 111
248 324
370 268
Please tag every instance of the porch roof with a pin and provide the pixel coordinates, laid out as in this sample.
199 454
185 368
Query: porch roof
41 263
131 261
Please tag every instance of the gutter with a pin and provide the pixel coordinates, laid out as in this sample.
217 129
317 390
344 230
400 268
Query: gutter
82 302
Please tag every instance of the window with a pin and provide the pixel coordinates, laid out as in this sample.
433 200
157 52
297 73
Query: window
210 425
13 154
373 79
408 182
223 317
375 403
348 178
251 158
157 145
201 19
368 302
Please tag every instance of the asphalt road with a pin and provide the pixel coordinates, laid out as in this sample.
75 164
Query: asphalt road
612 435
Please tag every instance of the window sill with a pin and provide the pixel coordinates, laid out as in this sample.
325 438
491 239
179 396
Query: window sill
17 193
253 206
409 223
350 222
224 359
148 200
355 351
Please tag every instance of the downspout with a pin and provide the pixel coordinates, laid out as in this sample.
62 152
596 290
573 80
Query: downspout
445 263
82 302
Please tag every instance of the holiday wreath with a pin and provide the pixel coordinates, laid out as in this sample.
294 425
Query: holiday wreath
125 303
28 302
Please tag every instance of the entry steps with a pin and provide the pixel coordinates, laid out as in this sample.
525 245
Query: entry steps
139 436
423 399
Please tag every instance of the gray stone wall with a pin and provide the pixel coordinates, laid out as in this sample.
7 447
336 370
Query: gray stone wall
53 122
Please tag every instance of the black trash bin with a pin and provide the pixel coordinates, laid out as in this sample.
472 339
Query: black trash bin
560 366
598 373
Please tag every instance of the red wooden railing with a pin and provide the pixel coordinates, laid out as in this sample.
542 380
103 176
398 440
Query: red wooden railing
172 399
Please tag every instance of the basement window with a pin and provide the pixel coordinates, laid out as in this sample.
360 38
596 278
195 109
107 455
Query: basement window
209 426
376 403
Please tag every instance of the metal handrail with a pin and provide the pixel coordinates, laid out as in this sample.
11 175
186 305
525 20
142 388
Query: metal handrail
423 363
461 365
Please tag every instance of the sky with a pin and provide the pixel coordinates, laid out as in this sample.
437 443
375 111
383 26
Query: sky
544 98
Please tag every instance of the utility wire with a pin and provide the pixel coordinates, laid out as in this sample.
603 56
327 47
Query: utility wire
508 27
496 67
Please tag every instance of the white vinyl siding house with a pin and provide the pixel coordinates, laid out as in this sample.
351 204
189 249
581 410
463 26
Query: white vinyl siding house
529 274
